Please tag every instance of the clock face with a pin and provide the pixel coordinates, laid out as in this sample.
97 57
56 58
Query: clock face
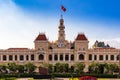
60 44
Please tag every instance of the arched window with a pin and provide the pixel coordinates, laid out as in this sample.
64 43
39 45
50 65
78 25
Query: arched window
56 57
100 57
118 57
106 57
81 57
4 58
10 57
95 57
15 57
27 57
72 57
32 57
66 57
50 57
112 57
41 57
61 57
90 56
21 57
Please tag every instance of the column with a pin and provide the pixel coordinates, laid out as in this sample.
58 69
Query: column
115 57
29 57
24 58
53 57
69 57
1 58
7 58
63 56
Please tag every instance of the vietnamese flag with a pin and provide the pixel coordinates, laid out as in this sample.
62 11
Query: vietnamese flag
63 8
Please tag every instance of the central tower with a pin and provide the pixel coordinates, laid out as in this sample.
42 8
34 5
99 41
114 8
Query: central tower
61 33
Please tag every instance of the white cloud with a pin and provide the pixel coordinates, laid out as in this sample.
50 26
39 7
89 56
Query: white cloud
19 28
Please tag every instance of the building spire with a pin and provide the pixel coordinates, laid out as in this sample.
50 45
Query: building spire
61 27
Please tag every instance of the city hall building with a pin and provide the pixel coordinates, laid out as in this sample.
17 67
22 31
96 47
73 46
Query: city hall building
61 50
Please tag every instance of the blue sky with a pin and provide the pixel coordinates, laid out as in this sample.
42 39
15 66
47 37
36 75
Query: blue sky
22 20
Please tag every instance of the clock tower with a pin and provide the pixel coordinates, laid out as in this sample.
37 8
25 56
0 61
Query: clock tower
61 33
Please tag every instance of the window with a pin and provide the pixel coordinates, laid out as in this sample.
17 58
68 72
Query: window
106 57
4 58
56 57
61 57
112 57
66 57
50 57
32 57
10 57
81 57
90 56
15 57
100 57
41 57
27 57
95 57
72 57
21 57
118 57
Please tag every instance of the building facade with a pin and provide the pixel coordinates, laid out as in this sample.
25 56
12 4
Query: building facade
61 50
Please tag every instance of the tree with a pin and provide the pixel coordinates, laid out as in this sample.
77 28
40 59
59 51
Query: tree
61 67
50 68
3 68
79 67
112 68
94 68
29 67
20 68
12 67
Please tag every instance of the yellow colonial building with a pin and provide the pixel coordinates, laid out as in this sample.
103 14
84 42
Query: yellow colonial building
62 51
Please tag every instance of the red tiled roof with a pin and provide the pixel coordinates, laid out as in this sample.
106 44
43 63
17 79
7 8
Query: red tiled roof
81 37
17 48
41 37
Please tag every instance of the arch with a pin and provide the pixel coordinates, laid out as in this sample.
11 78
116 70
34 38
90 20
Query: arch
95 57
10 57
32 57
56 57
100 57
50 57
41 57
90 56
27 57
15 57
106 57
66 57
4 58
81 57
112 57
72 57
61 57
21 57
118 57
